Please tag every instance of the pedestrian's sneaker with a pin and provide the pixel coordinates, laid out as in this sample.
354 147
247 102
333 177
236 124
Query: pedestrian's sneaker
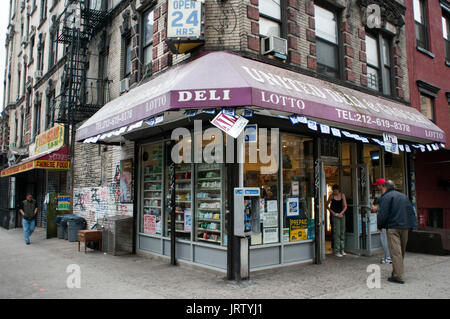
383 261
395 280
388 261
343 253
338 255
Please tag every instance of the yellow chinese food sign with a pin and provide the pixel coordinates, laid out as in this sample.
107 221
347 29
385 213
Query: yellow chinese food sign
51 139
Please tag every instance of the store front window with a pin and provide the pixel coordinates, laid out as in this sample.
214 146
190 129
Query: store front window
286 205
257 173
210 191
152 189
183 194
298 188
394 170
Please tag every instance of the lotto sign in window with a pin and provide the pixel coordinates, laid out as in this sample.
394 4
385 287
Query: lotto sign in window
184 19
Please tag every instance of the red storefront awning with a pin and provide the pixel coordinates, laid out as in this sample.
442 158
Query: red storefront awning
55 160
221 79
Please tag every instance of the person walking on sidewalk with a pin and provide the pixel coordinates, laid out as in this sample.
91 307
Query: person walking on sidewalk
337 209
397 215
28 209
383 237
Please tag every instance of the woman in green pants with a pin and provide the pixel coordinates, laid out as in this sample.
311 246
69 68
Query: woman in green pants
337 205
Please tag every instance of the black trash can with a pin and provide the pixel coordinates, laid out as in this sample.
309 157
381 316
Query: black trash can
59 231
73 226
63 222
59 225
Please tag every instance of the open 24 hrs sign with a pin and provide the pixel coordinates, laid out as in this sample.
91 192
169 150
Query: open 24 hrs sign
184 19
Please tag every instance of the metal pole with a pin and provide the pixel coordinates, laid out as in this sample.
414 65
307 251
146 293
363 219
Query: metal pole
317 222
172 181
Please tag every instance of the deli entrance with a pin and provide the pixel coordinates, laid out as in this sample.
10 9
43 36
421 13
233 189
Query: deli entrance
341 165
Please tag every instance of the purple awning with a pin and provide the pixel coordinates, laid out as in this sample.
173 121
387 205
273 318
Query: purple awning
221 79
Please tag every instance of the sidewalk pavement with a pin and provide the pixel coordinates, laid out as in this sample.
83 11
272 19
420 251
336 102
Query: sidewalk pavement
39 271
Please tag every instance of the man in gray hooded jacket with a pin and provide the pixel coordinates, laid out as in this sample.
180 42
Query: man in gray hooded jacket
397 215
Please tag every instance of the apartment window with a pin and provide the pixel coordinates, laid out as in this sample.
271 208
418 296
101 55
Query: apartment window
32 41
95 4
127 58
147 45
40 58
37 116
421 23
43 10
54 50
446 33
379 63
19 79
103 72
427 106
327 42
50 110
270 18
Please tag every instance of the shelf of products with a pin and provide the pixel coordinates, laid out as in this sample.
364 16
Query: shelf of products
209 202
152 188
183 201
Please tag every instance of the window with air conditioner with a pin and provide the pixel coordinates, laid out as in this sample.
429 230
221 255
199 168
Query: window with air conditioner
270 29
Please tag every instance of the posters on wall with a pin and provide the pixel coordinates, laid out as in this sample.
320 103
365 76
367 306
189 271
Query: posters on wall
126 181
187 220
298 229
251 133
271 219
150 224
63 203
295 188
270 235
292 207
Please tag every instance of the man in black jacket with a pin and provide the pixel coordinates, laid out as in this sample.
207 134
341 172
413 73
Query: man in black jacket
397 215
28 209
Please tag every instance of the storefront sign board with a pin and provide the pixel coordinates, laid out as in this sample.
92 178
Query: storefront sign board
231 125
243 82
63 203
390 143
50 139
184 19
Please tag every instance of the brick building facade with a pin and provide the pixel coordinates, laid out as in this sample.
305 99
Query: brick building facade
340 43
429 71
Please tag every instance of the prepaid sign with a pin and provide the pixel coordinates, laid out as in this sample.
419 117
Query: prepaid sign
184 19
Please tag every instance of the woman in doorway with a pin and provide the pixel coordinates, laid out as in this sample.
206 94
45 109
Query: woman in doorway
337 205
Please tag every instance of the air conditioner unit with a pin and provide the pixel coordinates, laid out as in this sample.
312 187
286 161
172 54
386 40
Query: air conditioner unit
124 85
275 46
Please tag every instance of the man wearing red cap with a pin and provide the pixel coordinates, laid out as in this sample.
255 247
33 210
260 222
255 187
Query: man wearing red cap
396 214
383 238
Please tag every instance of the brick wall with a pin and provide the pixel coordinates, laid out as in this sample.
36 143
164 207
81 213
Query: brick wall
96 181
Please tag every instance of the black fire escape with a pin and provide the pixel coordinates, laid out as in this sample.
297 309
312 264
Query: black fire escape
77 25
